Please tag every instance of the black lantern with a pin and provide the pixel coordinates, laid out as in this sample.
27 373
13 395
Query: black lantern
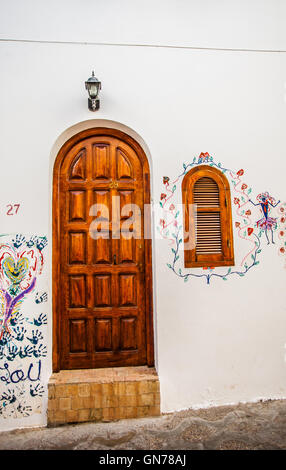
93 85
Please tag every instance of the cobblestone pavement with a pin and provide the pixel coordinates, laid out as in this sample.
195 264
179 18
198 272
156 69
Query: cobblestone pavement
259 425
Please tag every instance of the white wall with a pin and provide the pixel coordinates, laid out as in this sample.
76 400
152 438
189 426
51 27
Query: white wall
219 343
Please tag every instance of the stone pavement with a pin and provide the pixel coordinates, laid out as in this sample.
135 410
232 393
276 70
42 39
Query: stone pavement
259 425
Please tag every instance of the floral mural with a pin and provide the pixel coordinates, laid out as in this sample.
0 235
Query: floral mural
272 224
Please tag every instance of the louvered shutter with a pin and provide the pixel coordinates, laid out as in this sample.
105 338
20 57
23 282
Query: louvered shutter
208 224
207 189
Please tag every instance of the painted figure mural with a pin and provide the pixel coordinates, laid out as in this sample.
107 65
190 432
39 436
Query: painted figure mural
267 223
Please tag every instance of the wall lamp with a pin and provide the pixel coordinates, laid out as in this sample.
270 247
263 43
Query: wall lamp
93 86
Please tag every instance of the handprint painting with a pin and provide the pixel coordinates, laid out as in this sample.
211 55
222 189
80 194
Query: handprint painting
22 328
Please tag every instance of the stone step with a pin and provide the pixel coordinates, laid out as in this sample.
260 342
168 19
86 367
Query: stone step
103 395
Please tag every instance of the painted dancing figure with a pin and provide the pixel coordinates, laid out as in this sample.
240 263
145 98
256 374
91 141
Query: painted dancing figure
266 223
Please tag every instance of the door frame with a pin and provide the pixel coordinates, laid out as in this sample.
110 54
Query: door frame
104 131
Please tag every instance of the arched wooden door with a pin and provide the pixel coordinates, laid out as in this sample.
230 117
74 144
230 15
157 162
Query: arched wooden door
102 276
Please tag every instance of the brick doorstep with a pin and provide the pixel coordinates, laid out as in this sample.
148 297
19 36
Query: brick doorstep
103 395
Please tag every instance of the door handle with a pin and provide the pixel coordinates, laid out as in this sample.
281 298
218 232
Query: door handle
114 259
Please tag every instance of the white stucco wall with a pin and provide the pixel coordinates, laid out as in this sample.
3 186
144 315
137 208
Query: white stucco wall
215 344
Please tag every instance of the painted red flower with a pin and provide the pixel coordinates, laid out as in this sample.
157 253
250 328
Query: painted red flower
172 207
243 186
240 173
162 222
281 209
236 200
237 224
248 212
249 231
281 233
204 155
163 196
282 220
282 250
166 179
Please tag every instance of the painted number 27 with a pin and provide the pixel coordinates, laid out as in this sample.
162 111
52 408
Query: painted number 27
12 209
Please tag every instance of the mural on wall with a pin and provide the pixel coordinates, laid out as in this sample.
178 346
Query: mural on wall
22 336
248 228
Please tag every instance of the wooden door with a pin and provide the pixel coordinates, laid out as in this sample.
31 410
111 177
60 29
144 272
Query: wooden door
100 256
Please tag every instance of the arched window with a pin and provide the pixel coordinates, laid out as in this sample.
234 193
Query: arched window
207 218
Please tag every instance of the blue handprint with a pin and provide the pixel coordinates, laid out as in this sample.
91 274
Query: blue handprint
41 243
41 298
32 241
40 352
17 318
38 390
18 241
41 320
6 338
13 351
20 332
26 352
24 410
36 337
9 396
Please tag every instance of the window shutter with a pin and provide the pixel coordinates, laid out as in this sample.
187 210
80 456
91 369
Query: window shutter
208 233
206 193
208 224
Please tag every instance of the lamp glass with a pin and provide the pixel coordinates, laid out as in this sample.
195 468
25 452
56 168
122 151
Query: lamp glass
93 90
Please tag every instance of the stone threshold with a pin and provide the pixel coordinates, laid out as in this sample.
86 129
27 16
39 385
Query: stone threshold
103 395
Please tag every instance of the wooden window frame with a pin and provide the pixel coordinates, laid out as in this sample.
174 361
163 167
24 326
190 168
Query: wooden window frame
191 258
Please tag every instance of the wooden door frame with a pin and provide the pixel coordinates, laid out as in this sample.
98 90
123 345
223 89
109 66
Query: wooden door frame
109 132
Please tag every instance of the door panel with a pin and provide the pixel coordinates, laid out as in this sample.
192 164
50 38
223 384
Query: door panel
102 309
